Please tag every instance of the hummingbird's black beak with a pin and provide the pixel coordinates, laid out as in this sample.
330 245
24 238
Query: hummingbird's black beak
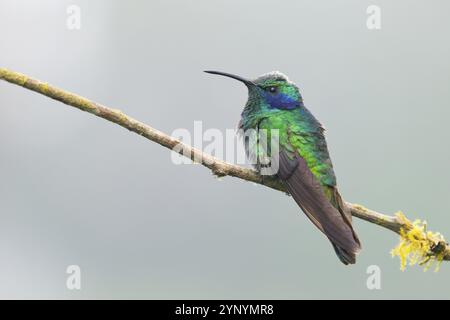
247 82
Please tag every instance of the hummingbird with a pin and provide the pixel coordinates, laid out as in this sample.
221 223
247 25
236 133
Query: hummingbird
304 164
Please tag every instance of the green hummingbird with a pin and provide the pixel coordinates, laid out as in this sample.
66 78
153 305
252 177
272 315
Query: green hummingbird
303 162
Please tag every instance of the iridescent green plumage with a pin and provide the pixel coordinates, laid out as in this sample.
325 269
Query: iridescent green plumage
275 103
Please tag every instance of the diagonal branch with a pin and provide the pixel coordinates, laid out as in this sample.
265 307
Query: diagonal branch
398 224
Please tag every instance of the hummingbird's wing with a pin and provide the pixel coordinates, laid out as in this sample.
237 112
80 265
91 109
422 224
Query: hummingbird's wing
308 193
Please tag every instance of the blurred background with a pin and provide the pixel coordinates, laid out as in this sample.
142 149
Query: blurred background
77 190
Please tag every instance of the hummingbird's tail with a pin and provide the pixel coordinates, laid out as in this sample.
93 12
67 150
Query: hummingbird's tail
327 212
346 257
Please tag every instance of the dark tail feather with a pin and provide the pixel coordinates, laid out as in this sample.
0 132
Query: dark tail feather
345 257
331 217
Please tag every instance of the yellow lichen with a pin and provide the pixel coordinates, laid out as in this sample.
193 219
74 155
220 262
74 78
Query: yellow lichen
417 244
13 77
43 87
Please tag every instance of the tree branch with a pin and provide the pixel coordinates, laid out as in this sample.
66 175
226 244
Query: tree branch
398 224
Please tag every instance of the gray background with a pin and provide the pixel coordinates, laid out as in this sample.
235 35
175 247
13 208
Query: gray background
75 189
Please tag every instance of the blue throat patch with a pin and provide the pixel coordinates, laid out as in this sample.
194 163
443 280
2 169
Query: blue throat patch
281 101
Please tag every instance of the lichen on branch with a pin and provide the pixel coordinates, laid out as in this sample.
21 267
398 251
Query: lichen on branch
418 245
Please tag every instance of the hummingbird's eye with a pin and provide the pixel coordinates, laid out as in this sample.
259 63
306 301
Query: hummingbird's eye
272 89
